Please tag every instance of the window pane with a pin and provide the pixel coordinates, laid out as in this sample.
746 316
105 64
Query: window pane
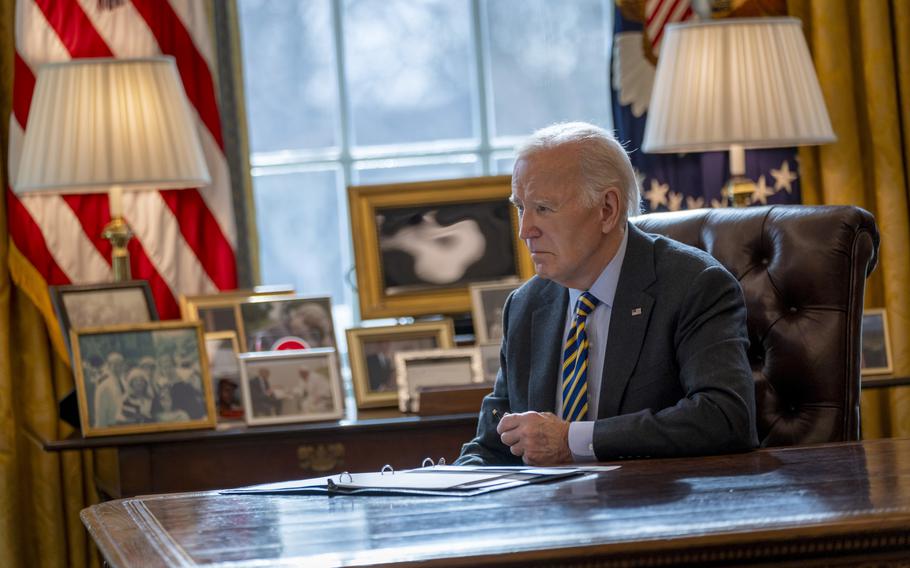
503 163
289 74
304 238
548 64
410 70
392 171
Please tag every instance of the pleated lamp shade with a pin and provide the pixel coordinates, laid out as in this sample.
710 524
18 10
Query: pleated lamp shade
99 123
747 82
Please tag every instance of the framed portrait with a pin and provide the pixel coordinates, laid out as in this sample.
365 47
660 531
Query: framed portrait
876 344
220 312
291 386
489 360
98 305
222 349
276 323
147 377
418 246
434 368
487 301
372 353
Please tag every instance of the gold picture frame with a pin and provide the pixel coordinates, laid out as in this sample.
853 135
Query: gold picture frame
455 367
487 301
124 387
875 355
282 387
372 353
222 349
417 246
219 311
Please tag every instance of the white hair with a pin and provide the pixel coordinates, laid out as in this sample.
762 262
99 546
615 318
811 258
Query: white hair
602 160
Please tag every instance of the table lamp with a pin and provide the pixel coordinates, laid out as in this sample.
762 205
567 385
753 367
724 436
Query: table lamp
110 125
732 84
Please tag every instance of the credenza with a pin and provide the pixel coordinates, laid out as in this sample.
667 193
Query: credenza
233 456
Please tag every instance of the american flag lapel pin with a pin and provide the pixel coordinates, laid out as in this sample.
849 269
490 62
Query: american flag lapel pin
636 311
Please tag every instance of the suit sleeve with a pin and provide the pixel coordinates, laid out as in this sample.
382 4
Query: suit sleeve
486 448
717 413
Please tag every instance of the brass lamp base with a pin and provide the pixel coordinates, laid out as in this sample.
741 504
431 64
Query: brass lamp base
738 191
119 234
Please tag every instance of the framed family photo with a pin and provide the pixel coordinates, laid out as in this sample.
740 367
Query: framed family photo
876 344
142 378
487 301
222 349
291 386
221 311
275 323
418 246
434 368
372 353
96 305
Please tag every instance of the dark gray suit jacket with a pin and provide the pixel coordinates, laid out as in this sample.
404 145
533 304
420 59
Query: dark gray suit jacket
676 379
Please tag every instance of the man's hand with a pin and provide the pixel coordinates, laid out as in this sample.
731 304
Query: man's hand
539 438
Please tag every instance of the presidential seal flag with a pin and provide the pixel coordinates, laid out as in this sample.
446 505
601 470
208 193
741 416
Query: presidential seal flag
184 240
671 182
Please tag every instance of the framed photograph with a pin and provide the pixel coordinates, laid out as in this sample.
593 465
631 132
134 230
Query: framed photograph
418 246
487 301
489 360
147 377
291 386
372 353
220 312
434 368
98 305
222 349
876 351
276 323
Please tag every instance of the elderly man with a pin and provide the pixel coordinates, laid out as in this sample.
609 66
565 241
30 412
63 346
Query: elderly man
625 344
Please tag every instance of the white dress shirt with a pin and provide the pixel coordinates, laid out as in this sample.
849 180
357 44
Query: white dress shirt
597 327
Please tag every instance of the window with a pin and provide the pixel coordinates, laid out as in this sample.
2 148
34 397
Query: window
344 92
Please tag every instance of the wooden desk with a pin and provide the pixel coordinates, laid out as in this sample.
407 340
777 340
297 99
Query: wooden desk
794 506
216 459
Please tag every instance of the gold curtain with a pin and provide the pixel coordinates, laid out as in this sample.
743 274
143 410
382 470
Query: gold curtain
41 493
862 55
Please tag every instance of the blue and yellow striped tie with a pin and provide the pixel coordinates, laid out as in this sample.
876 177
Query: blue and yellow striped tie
575 362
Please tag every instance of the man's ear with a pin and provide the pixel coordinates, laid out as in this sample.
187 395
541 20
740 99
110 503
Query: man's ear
610 210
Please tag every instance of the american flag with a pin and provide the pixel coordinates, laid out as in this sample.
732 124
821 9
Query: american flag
184 239
659 13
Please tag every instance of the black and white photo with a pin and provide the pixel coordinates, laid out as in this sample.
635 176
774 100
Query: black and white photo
97 305
142 378
445 245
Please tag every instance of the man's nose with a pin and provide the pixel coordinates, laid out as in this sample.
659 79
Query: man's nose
527 229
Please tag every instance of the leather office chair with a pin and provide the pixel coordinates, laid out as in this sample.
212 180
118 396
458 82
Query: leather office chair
803 271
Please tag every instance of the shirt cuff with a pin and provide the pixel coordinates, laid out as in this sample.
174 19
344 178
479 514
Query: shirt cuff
581 441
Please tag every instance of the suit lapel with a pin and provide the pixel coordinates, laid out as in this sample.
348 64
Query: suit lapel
547 326
628 321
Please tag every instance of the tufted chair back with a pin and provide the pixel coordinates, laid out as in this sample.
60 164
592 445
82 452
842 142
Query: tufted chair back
802 271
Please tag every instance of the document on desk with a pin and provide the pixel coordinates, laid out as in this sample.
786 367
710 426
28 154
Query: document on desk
443 480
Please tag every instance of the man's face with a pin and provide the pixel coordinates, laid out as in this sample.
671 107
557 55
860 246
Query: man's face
567 240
